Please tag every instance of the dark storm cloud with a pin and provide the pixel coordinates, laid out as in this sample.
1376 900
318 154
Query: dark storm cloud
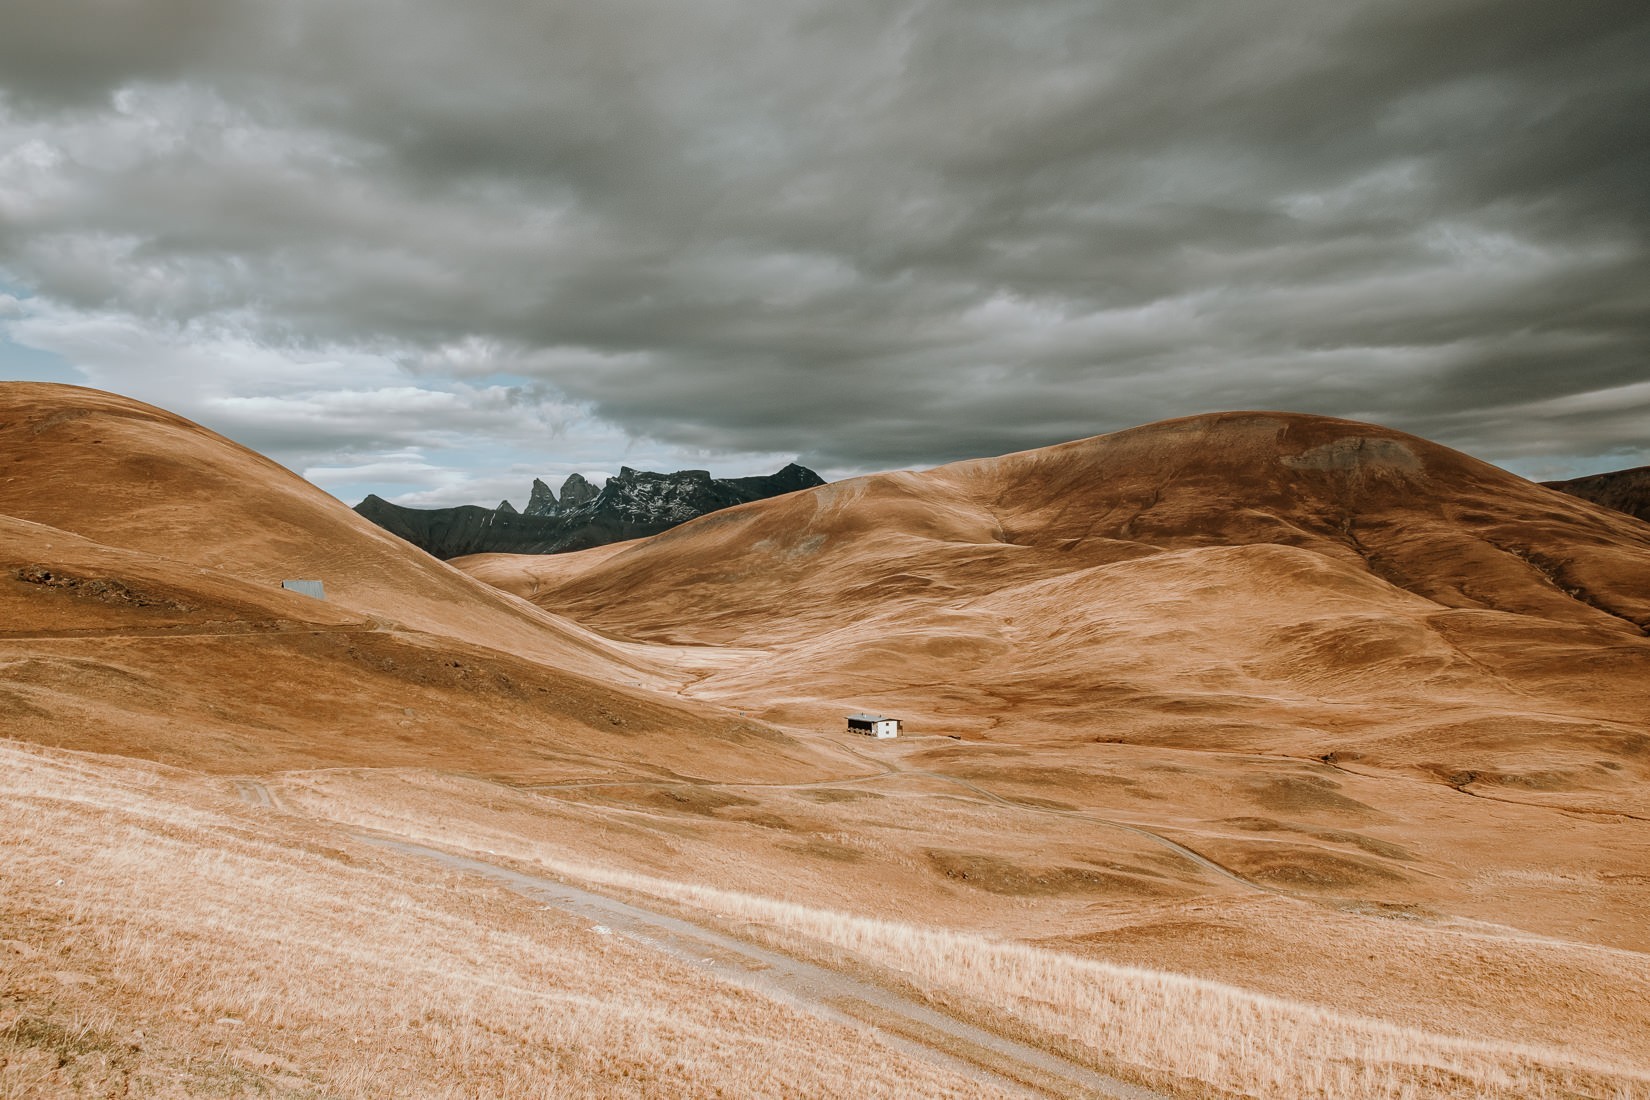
869 233
79 51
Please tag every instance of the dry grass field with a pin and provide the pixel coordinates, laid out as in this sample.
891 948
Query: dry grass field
1246 756
1441 1007
158 937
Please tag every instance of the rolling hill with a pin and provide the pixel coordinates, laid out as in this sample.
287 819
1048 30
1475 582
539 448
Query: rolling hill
1370 677
1316 753
140 562
1624 490
1247 582
1341 662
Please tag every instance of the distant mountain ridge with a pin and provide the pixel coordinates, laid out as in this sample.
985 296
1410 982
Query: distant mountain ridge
633 504
1624 490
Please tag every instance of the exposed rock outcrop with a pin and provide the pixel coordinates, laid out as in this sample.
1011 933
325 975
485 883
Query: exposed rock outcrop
542 502
577 492
631 505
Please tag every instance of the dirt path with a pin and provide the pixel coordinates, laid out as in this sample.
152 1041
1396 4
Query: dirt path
1017 1068
1466 789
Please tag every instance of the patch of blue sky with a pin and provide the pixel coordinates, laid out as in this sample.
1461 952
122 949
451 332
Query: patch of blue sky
20 362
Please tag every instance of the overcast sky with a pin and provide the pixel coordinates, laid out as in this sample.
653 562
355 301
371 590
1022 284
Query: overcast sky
432 249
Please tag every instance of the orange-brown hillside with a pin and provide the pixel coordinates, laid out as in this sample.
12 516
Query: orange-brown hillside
1252 582
141 613
1624 490
1309 708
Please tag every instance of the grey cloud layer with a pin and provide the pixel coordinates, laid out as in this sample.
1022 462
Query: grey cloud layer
873 233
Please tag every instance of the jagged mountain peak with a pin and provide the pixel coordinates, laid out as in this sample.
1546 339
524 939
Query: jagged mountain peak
576 491
542 501
630 505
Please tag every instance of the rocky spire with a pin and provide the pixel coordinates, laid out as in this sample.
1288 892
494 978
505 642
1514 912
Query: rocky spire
543 500
576 491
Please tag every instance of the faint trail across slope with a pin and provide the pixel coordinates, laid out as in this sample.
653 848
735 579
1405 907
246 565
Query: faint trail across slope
1465 787
814 988
923 1032
1156 838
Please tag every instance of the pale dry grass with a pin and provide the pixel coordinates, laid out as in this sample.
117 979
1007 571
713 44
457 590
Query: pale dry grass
1161 1027
1231 1039
159 939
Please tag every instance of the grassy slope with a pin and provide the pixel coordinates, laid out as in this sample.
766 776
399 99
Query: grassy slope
1187 1036
139 561
159 938
1122 658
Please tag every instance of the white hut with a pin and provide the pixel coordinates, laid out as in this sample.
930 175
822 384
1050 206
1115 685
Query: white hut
308 588
873 726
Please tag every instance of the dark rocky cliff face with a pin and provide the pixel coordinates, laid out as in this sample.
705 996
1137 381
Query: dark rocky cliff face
1624 490
542 501
634 504
577 492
